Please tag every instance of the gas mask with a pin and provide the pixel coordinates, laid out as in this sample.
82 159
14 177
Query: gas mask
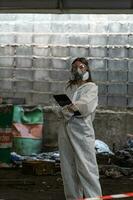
78 74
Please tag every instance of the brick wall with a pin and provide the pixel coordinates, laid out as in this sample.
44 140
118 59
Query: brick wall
36 51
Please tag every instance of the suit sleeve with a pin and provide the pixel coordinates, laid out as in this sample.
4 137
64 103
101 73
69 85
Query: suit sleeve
88 101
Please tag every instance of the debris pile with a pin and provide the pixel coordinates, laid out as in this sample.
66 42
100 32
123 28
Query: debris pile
47 163
112 164
118 163
102 148
47 156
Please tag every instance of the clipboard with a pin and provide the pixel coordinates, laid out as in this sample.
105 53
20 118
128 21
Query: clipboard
63 100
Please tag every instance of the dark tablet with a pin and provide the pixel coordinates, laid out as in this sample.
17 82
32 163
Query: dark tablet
63 100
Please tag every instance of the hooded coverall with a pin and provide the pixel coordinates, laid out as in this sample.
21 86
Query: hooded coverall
77 146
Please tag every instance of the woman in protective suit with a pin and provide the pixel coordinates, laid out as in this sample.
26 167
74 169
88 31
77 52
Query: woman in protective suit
76 137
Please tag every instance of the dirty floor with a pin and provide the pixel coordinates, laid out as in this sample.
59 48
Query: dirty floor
14 185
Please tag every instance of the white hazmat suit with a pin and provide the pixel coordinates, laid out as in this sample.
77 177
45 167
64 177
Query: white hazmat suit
77 146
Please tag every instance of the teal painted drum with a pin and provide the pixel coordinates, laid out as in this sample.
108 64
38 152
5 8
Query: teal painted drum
5 145
5 155
27 146
6 112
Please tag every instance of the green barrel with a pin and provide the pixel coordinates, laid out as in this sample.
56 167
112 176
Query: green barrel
26 146
27 129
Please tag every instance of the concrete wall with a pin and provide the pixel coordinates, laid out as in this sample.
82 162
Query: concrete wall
110 126
36 51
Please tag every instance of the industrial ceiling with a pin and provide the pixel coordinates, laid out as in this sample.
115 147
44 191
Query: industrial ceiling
67 6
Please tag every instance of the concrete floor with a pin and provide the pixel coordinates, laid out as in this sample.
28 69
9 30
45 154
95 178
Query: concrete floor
14 185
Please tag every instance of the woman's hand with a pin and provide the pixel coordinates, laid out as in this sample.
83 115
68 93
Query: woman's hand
72 108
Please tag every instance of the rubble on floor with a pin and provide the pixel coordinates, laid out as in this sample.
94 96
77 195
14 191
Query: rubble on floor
47 163
111 164
102 148
119 163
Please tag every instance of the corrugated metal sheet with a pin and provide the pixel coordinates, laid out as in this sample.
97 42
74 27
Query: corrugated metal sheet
48 6
97 4
29 4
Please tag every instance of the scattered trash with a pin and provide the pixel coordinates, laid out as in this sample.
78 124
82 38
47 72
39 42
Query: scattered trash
130 140
5 165
47 156
113 165
44 183
16 159
114 171
103 148
124 157
39 167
